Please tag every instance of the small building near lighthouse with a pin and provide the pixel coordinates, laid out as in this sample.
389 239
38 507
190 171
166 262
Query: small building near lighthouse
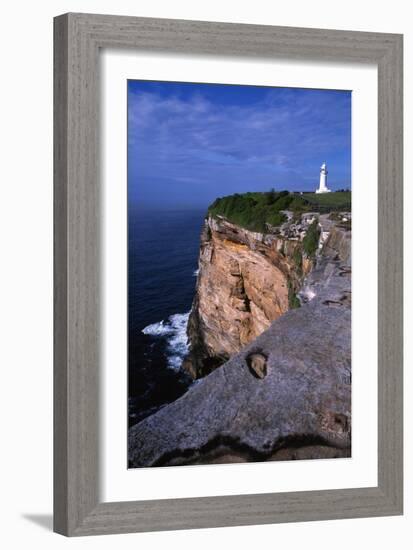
323 180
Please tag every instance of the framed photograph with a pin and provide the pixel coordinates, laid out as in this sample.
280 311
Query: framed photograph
228 274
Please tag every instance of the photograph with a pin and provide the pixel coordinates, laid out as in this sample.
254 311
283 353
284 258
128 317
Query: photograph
239 273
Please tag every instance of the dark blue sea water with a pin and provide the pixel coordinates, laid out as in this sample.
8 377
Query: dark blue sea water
163 250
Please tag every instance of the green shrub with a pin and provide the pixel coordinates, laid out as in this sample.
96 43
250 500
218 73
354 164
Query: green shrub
310 241
298 258
275 218
293 301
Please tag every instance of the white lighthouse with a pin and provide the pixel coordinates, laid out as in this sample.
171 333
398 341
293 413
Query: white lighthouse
323 180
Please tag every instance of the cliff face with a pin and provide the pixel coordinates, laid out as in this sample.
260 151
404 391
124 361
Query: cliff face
246 280
286 395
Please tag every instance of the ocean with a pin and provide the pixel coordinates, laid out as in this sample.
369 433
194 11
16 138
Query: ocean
163 248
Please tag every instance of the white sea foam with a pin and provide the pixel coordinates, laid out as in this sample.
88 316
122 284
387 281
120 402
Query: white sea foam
196 273
174 330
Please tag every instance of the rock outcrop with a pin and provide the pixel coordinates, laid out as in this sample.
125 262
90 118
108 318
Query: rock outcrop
285 395
246 280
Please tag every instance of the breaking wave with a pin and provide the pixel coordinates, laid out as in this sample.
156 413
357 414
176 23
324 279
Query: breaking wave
174 331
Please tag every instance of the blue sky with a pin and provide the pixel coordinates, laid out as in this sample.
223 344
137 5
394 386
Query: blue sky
190 143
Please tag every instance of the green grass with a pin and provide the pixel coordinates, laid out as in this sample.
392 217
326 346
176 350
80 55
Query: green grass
255 210
340 200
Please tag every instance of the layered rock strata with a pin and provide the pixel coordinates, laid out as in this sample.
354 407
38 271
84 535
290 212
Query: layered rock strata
246 280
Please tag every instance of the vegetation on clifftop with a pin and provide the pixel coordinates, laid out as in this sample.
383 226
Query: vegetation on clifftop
255 211
252 210
339 200
310 241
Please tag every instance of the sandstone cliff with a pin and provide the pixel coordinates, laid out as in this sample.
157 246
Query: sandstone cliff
286 394
246 280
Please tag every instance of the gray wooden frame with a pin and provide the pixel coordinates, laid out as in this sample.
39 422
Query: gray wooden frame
78 39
